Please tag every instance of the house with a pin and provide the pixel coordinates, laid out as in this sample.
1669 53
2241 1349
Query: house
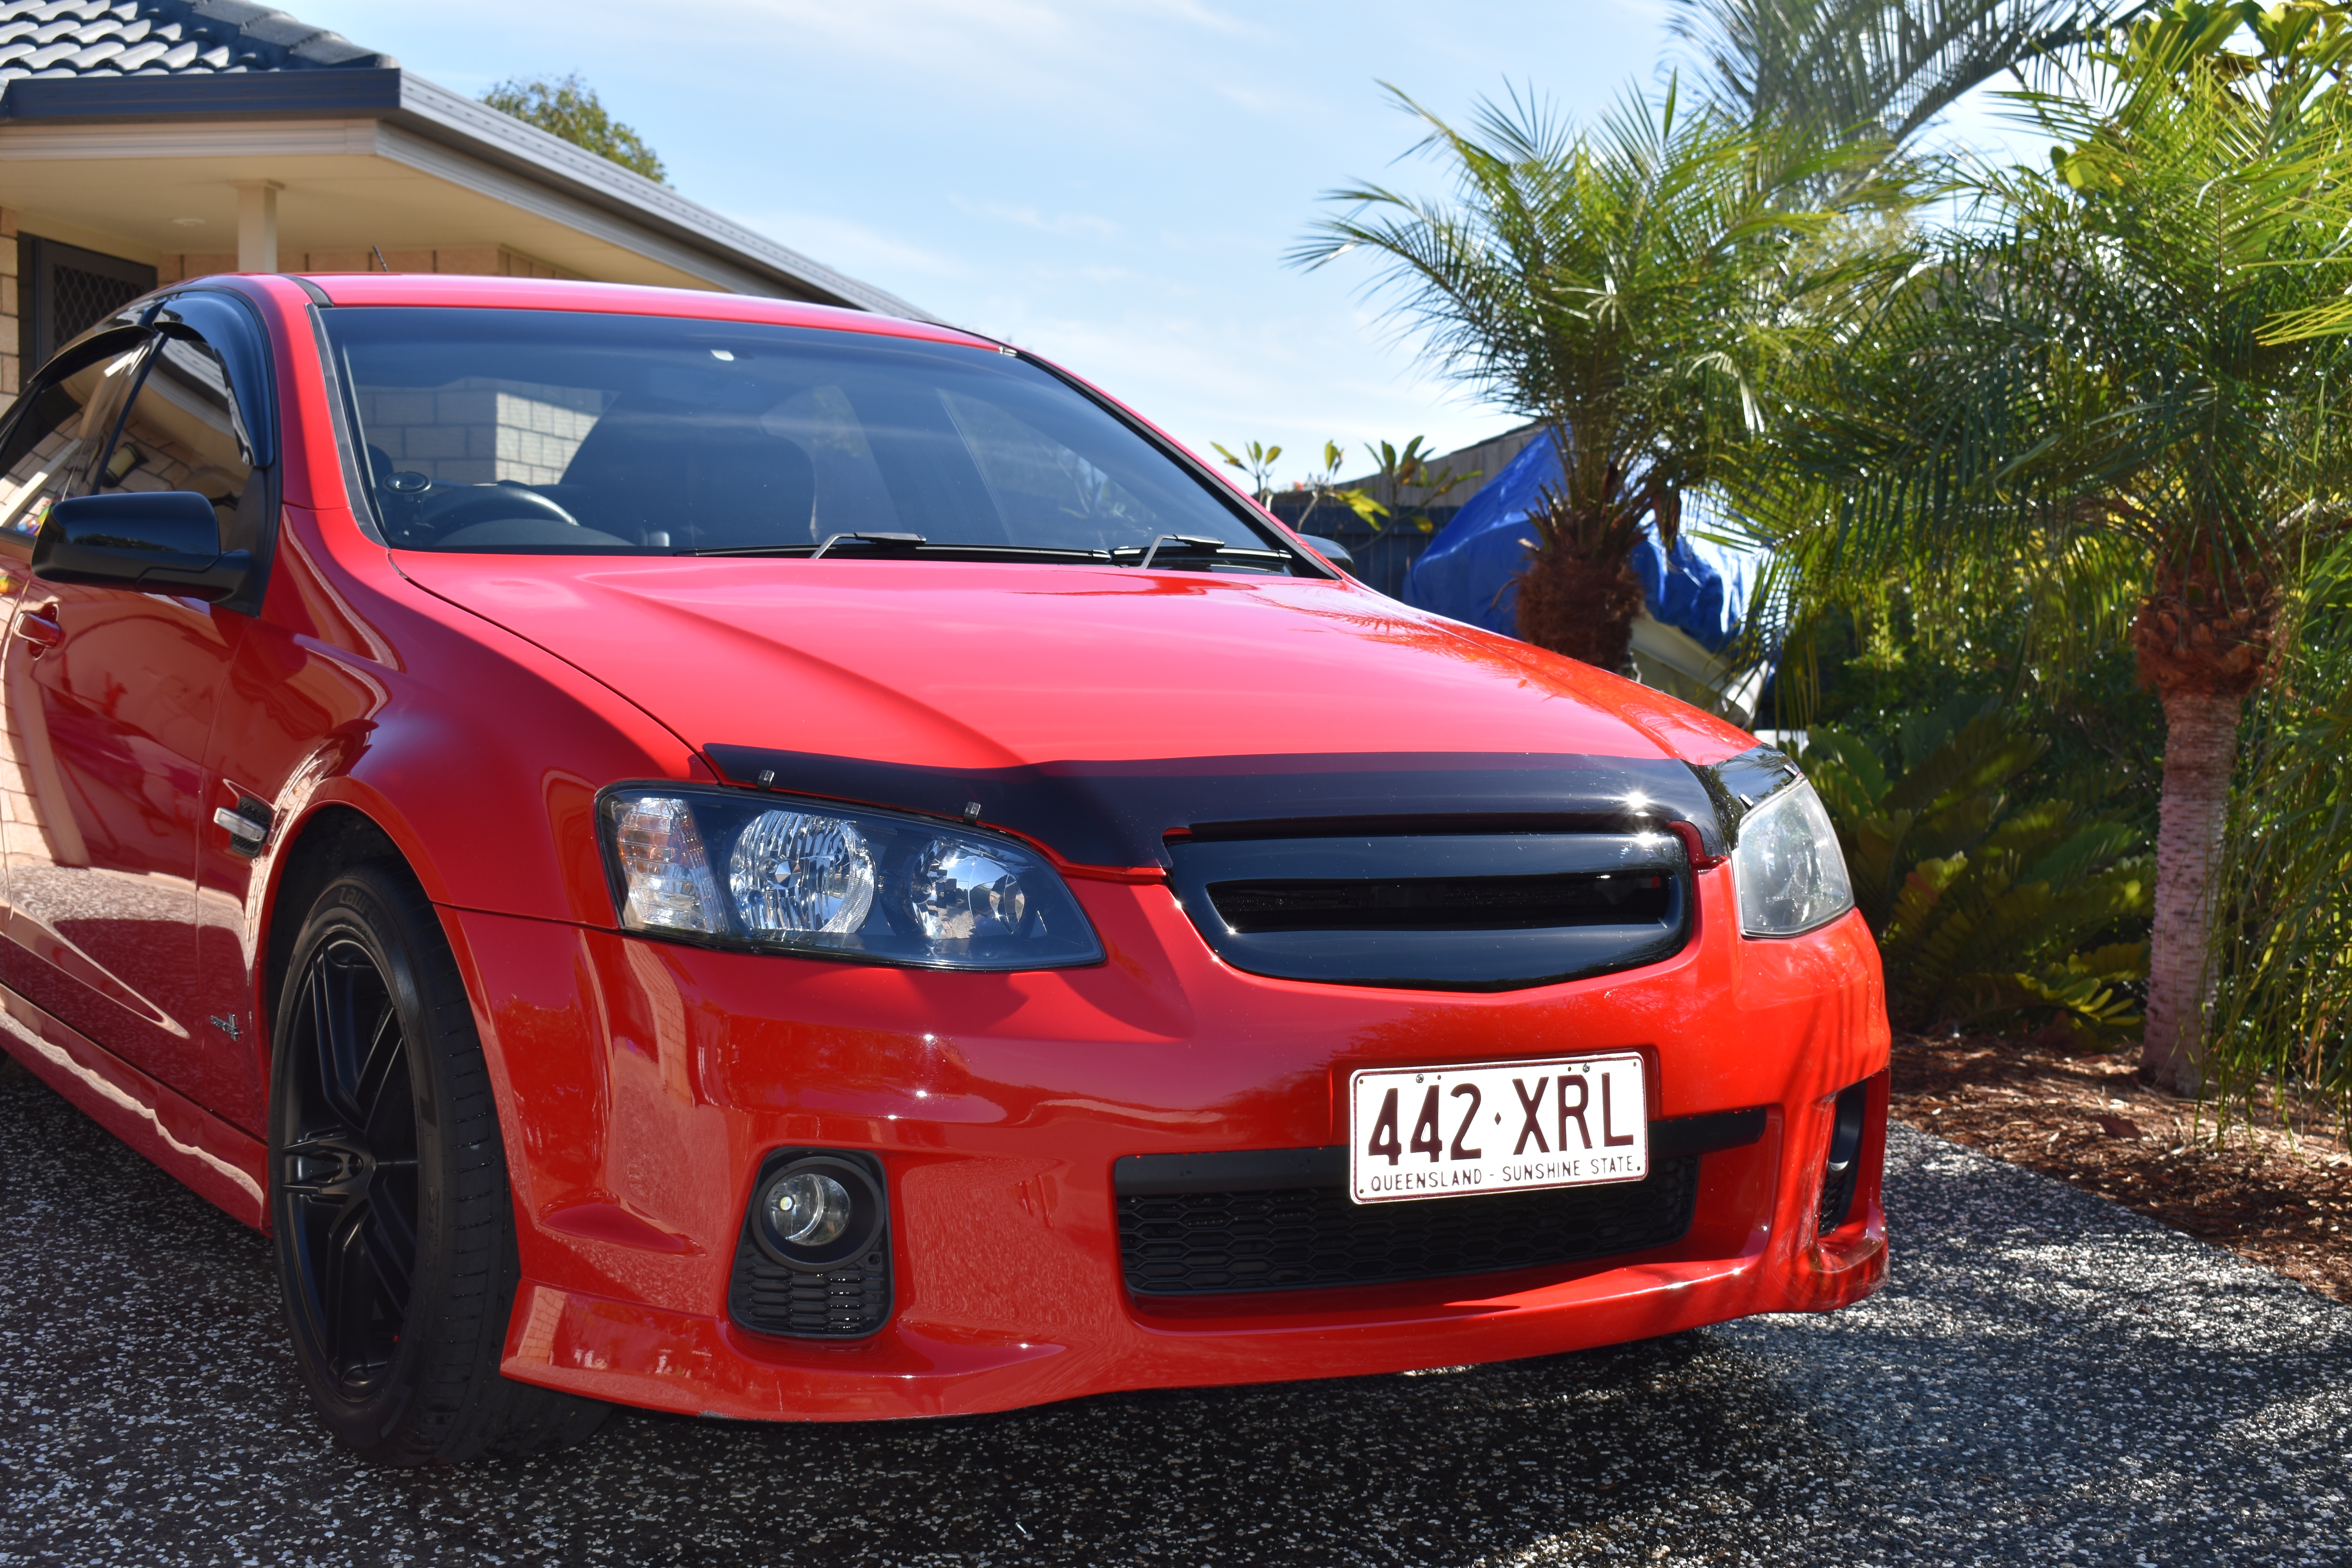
144 141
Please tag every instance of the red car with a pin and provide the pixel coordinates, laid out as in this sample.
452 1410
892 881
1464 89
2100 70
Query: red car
747 858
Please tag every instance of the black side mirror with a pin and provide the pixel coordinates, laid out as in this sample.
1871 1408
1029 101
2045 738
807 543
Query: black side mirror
1332 551
162 542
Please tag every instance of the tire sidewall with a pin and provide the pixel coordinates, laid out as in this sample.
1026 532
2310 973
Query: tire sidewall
363 906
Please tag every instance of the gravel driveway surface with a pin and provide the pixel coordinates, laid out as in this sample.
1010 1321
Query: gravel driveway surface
2048 1378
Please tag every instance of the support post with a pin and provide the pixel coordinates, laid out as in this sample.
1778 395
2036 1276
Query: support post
256 225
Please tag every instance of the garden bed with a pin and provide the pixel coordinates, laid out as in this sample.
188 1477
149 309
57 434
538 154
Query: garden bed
2282 1202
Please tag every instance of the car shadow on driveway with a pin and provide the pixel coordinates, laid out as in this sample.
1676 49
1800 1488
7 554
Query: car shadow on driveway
2047 1377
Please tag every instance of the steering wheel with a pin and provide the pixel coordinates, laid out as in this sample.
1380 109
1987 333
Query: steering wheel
440 511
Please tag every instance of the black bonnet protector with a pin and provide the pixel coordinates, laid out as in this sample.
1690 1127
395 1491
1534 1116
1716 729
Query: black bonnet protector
1118 813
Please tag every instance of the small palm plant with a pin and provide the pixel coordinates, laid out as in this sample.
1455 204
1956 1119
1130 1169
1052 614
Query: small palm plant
1987 908
1635 285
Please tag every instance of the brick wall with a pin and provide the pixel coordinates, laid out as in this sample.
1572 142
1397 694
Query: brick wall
476 431
476 260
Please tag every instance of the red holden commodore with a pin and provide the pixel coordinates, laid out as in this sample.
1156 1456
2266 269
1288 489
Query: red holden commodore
738 858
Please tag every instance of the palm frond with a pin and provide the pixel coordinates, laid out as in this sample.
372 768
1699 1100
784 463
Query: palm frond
1888 67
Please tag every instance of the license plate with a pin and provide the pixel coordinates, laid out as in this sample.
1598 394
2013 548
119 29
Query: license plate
1444 1132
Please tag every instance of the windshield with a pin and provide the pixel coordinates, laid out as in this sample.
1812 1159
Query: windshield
560 432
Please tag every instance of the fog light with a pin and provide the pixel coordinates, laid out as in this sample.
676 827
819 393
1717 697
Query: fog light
808 1209
815 1210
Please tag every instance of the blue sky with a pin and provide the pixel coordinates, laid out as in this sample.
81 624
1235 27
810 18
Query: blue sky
1110 183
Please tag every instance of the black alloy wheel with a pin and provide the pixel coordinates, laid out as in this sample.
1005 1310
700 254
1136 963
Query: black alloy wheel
389 1205
348 1169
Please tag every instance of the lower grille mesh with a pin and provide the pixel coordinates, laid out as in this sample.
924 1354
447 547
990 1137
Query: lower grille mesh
846 1301
1213 1243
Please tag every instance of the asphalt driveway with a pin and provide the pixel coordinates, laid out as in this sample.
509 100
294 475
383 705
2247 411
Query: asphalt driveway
2048 1378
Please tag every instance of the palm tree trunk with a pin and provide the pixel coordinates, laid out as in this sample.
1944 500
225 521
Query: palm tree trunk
1578 593
2200 747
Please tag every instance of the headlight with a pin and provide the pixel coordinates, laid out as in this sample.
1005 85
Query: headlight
810 876
1788 867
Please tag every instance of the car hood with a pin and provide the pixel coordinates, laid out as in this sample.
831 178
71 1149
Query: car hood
937 685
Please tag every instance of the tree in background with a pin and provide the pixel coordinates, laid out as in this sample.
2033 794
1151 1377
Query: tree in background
2096 354
1879 68
570 108
1634 286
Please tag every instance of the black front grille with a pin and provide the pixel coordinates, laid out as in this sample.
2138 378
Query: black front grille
846 1301
1458 903
1307 1237
1441 911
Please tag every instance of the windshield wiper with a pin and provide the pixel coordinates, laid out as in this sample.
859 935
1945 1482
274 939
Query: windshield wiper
1185 543
910 546
1193 543
892 543
899 543
914 546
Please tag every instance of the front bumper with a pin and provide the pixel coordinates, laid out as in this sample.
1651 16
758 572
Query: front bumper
640 1084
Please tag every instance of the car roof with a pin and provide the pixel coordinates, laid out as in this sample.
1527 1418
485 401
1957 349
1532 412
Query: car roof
360 290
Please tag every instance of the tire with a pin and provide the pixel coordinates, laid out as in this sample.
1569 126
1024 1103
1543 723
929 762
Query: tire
393 1220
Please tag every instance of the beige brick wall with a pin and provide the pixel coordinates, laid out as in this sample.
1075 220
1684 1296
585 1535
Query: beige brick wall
476 431
476 260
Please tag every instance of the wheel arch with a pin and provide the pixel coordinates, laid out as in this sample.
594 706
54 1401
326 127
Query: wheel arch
334 835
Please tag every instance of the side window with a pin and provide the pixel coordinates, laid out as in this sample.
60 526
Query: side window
67 417
185 432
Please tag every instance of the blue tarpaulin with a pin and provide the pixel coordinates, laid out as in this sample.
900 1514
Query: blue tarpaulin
1471 569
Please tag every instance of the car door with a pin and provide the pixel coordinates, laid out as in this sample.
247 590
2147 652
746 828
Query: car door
112 693
53 435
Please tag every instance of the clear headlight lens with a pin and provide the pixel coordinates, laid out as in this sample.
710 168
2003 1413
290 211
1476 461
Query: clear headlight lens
792 871
847 882
1788 867
955 891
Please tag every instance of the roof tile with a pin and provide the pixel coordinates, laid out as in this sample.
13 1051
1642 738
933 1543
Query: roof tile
71 37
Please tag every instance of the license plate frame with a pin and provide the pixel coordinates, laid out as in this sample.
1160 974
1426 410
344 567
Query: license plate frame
1500 1126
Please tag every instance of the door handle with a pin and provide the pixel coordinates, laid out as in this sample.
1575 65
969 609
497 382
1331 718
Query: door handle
38 628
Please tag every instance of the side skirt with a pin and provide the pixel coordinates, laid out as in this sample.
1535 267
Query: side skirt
224 1165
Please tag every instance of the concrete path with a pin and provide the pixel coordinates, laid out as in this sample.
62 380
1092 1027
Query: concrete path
2047 1379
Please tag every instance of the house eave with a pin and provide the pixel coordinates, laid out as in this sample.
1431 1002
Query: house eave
394 96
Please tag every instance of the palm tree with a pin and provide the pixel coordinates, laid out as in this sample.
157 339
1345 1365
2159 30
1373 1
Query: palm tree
2097 354
1884 68
1635 287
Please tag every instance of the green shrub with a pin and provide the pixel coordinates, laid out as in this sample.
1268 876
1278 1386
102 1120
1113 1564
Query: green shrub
2283 927
1989 909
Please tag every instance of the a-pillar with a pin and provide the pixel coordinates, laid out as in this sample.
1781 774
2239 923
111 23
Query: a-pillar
256 225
